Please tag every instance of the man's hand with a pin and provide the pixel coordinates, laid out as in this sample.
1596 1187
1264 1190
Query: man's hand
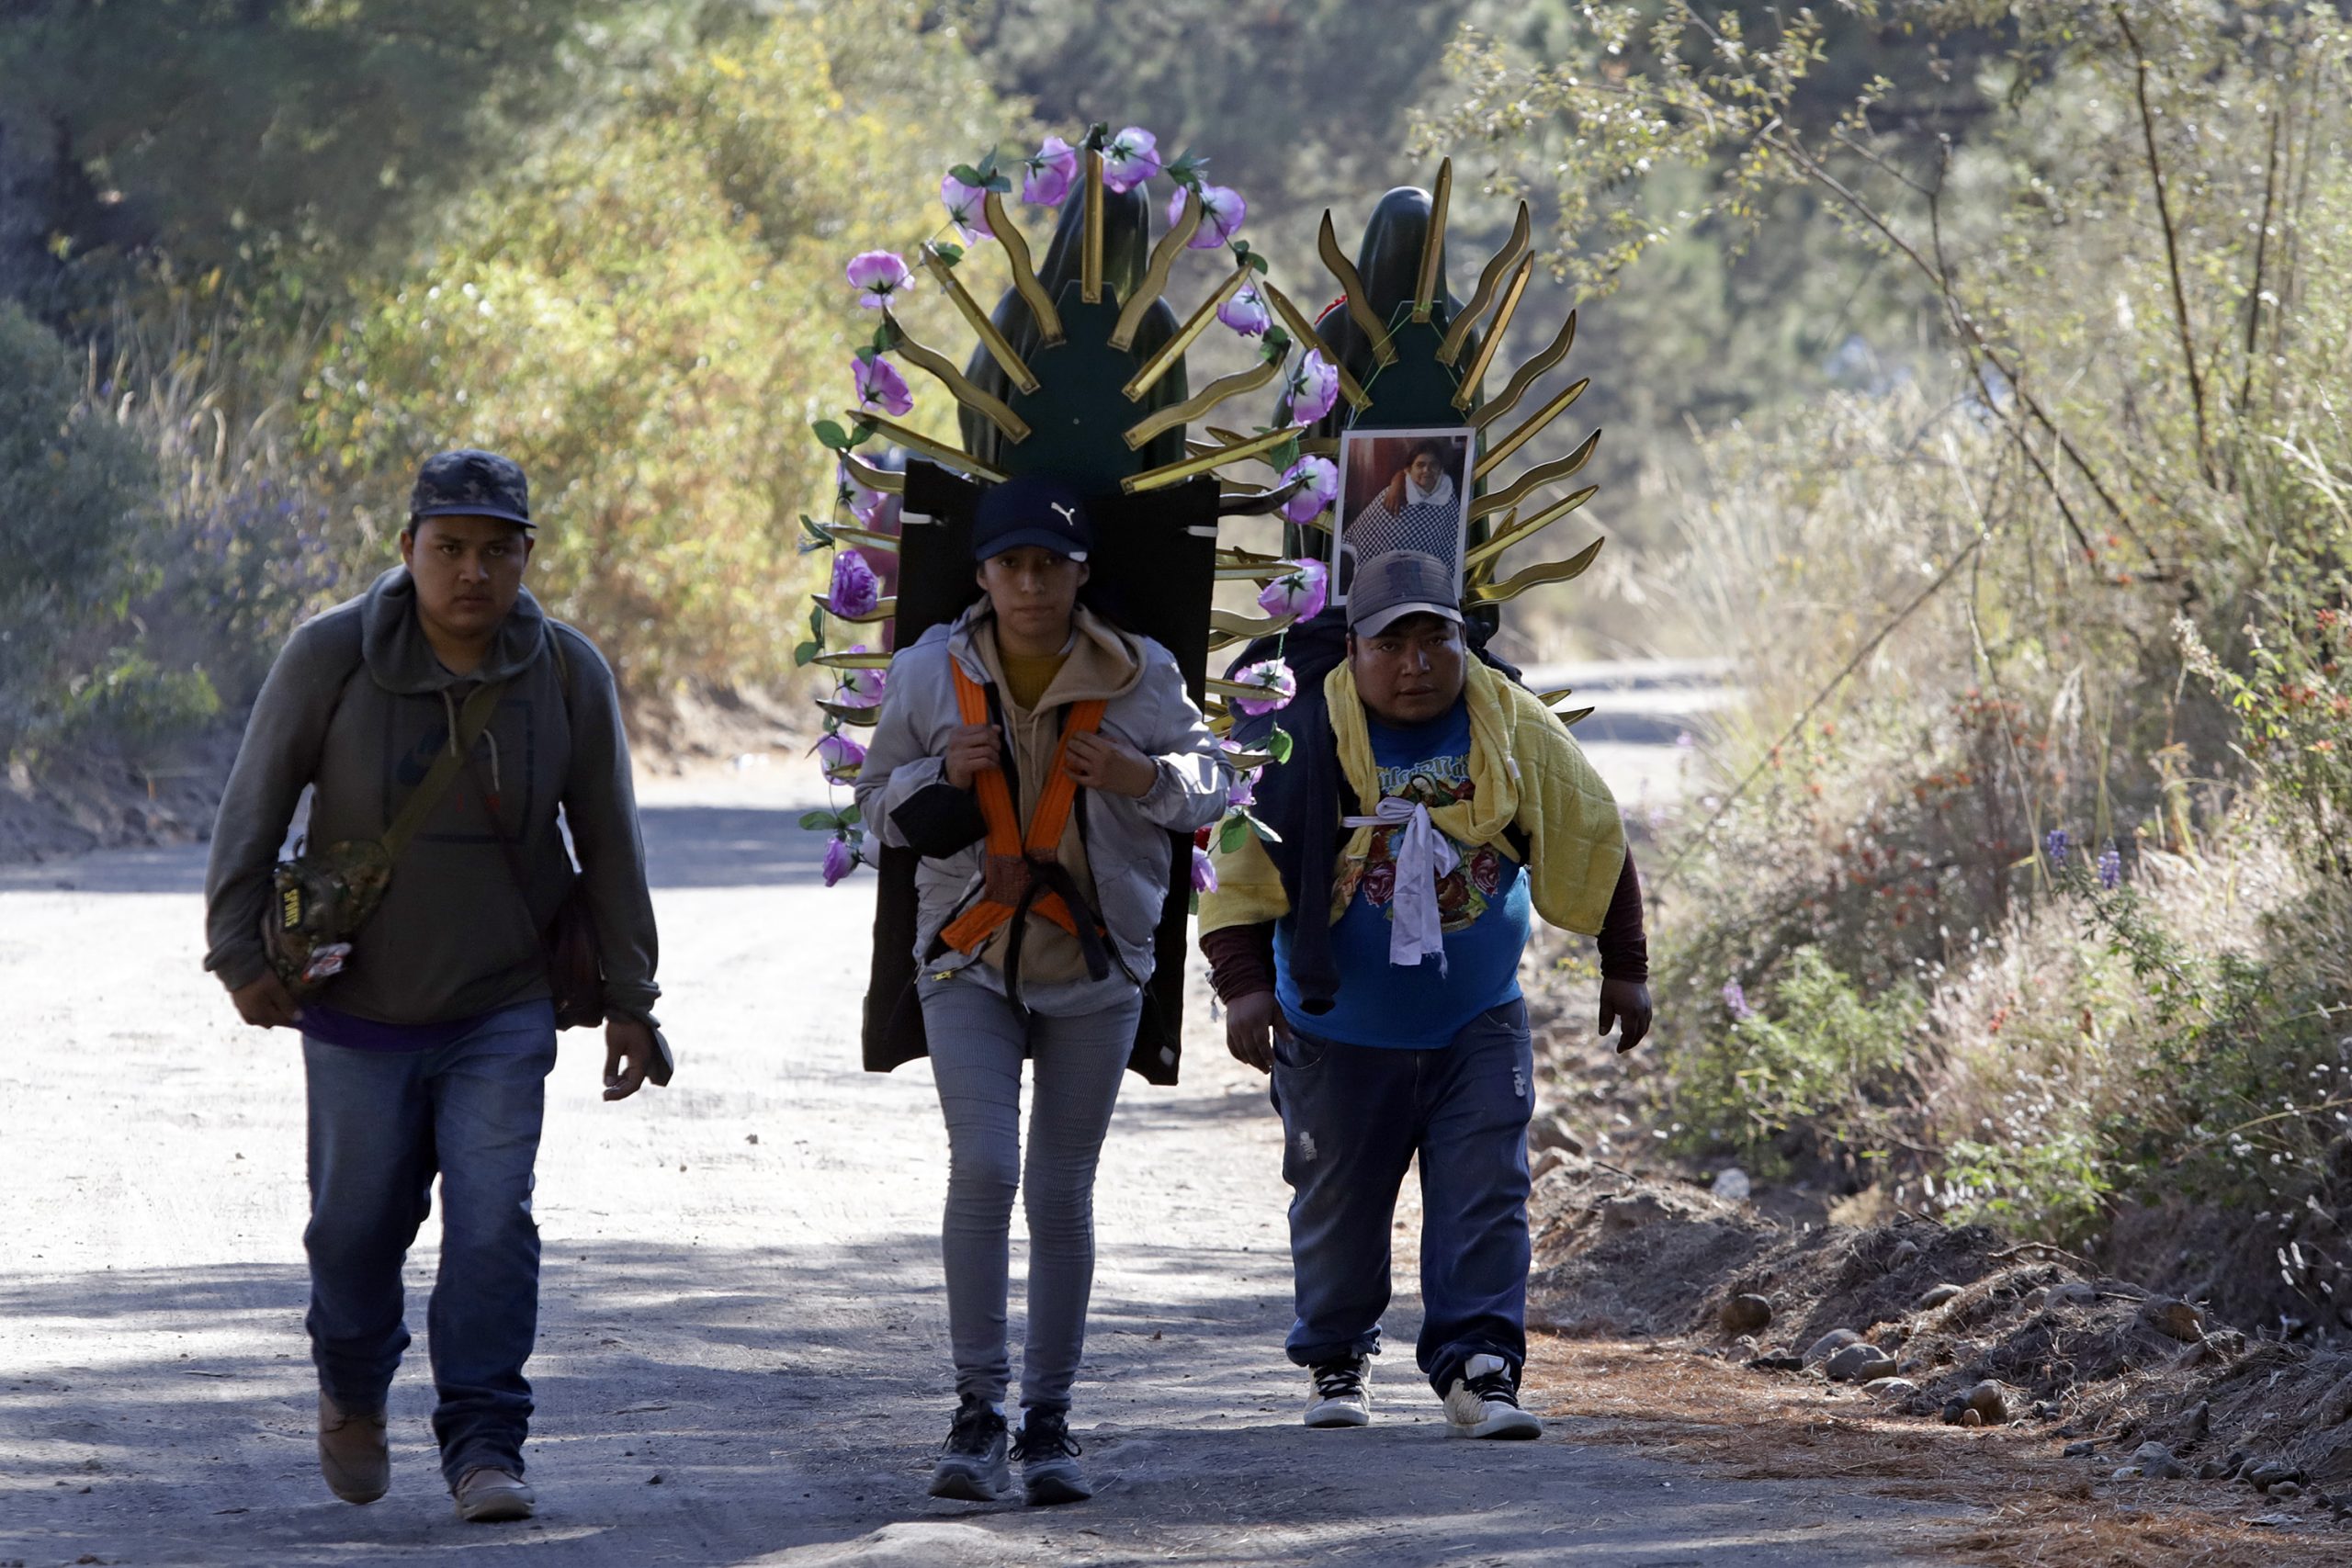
1252 1024
266 1003
1107 763
629 1053
972 750
1626 1003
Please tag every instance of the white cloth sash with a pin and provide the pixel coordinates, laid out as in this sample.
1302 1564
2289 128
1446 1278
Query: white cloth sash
1424 855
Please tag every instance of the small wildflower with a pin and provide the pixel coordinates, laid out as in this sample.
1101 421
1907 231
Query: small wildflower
2110 866
1735 999
2055 845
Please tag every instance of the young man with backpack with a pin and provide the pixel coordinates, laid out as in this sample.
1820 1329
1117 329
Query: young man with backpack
1368 958
441 720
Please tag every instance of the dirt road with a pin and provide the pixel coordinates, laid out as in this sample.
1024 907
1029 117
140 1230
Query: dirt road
743 1346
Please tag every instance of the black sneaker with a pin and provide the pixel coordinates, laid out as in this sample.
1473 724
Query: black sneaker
1343 1393
1048 1457
1483 1402
971 1464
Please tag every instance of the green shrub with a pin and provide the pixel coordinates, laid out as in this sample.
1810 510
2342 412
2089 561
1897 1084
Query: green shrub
75 490
1806 1072
129 699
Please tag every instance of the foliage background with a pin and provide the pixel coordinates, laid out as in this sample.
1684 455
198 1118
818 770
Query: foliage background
1973 373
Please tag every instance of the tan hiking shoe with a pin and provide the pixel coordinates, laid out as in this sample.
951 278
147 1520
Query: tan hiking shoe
353 1453
490 1496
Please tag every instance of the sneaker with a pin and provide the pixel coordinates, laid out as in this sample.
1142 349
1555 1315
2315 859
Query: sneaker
1343 1393
488 1495
1048 1457
353 1454
1483 1402
971 1464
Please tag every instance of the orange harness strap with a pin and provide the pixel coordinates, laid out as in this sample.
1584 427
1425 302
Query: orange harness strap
1011 869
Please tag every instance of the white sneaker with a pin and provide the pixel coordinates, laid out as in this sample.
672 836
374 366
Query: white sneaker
1483 1402
1343 1394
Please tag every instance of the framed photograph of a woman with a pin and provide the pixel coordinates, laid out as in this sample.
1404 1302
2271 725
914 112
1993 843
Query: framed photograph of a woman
1401 490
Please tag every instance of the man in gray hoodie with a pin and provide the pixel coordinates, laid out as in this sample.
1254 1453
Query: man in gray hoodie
427 1053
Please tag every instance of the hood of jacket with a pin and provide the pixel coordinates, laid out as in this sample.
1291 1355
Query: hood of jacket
393 646
1104 663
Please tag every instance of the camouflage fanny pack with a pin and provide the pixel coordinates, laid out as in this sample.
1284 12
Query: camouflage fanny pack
322 897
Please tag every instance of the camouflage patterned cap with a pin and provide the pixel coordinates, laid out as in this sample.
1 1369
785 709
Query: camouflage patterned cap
467 483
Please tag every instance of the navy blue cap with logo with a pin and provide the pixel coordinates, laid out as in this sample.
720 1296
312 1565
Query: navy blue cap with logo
1032 509
470 483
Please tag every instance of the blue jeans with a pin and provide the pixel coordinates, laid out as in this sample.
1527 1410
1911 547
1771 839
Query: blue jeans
383 1124
1353 1118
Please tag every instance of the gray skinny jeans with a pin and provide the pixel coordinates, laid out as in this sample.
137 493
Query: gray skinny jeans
977 1042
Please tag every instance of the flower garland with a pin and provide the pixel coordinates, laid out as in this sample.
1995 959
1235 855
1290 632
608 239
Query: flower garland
1309 383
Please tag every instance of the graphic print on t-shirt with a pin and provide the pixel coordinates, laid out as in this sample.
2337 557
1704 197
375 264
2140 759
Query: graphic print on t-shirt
1462 893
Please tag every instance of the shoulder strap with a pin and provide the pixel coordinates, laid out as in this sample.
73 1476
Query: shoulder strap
996 800
472 719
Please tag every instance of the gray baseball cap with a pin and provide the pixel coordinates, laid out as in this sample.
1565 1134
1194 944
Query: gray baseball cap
1387 588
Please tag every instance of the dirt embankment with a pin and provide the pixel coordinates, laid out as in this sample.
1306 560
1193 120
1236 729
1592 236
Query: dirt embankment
2138 1404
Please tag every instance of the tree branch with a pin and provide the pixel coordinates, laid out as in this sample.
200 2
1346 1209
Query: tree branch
2172 242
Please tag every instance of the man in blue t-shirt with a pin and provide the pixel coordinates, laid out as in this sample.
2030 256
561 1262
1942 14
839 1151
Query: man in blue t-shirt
1400 1032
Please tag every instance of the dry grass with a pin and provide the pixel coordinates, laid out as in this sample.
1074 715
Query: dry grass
2027 1504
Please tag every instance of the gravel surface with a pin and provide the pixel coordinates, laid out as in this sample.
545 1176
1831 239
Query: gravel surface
742 1354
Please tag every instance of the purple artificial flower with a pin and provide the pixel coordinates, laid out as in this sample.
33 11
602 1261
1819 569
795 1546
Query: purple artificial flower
2111 868
1222 210
2055 846
1247 312
1046 174
1244 790
1322 487
841 758
1204 870
964 208
879 385
861 688
856 591
863 505
1735 999
1271 676
877 275
1312 388
1299 594
840 859
1131 158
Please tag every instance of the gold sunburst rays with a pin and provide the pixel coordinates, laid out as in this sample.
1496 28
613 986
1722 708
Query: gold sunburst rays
1458 332
938 452
1089 250
1539 575
1172 351
1481 560
1302 332
1000 347
1194 407
1375 331
1534 425
1433 243
993 409
1025 273
1201 463
1467 396
871 478
1155 276
1533 479
1526 376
